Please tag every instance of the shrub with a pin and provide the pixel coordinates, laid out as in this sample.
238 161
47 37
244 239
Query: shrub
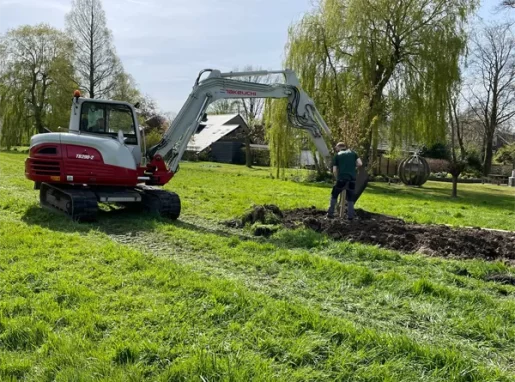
438 165
436 151
316 177
152 138
474 163
260 158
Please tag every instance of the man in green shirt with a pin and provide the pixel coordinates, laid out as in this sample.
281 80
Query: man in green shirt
345 163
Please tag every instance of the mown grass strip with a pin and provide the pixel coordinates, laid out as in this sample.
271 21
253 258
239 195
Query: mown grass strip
96 308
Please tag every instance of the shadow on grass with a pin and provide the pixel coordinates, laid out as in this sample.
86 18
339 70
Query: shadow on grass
121 222
438 195
434 194
115 222
220 231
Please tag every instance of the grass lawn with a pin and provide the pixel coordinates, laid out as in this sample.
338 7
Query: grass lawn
137 298
216 191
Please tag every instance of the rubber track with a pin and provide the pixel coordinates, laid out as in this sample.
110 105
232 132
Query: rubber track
155 200
84 203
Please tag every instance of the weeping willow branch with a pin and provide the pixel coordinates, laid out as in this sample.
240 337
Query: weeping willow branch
376 64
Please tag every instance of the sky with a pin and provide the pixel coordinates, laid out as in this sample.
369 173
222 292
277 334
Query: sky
163 44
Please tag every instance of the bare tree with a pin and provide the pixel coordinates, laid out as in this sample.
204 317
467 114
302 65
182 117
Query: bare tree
492 96
251 109
508 4
96 61
457 161
224 106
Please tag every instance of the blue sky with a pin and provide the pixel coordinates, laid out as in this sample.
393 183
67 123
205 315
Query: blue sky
165 43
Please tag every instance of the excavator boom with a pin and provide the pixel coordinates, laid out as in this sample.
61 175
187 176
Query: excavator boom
302 112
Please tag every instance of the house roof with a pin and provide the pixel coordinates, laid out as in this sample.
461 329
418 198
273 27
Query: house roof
259 147
215 128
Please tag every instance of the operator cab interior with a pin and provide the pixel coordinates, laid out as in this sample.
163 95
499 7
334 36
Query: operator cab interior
108 119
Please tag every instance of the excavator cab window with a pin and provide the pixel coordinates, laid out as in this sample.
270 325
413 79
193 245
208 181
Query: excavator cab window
108 119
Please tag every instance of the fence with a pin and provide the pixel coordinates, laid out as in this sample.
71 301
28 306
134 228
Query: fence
389 167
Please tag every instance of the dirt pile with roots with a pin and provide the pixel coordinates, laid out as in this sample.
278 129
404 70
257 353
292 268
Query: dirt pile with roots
389 232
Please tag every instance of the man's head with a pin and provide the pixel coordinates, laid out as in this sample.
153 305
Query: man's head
341 146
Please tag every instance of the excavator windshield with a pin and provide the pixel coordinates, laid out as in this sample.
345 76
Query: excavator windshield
108 119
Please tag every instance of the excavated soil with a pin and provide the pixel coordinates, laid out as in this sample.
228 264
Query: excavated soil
393 233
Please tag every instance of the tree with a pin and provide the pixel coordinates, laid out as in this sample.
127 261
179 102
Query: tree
224 106
125 89
436 151
252 109
96 62
508 4
281 135
36 81
458 162
383 64
491 89
506 154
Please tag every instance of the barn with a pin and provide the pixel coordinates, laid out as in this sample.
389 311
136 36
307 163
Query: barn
221 138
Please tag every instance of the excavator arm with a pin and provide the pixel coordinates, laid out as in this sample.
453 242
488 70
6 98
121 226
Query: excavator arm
301 110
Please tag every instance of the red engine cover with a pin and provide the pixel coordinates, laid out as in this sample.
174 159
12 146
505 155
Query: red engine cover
73 164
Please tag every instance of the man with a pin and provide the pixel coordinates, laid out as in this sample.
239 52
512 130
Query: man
344 170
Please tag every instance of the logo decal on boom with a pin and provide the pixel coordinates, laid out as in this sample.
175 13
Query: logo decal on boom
83 156
241 92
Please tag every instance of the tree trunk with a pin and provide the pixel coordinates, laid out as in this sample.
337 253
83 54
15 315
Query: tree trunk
371 121
278 164
39 125
455 186
487 162
92 56
375 143
463 151
320 167
248 153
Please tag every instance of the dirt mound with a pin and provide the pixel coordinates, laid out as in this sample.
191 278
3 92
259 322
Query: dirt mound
394 233
267 214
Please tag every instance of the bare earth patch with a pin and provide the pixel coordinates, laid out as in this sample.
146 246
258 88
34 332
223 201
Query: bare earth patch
393 233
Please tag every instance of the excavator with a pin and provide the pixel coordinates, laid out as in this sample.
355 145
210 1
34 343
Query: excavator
102 156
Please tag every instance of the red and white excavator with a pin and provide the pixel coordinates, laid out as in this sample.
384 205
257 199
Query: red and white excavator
102 158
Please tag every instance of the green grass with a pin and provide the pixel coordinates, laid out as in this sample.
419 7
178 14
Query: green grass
137 298
215 191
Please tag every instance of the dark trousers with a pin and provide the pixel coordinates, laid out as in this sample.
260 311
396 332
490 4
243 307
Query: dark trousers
350 186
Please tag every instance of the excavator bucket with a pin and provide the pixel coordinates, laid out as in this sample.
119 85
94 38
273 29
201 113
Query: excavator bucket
361 182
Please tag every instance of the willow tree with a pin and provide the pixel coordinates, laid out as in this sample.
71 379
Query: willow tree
282 137
125 88
381 64
36 81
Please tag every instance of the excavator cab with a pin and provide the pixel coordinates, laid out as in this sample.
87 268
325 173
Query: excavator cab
108 119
